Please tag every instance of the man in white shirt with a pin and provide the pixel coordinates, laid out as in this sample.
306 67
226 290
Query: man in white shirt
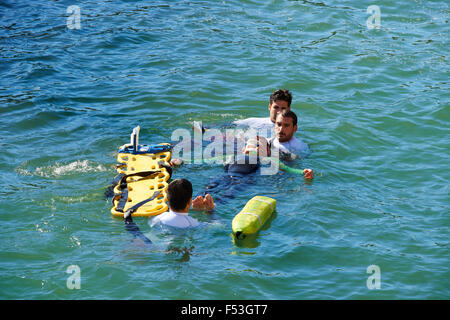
179 196
280 100
288 145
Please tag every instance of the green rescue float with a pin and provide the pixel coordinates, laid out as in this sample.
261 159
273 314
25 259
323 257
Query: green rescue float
253 216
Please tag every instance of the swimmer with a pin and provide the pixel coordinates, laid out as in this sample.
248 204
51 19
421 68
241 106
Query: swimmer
240 171
179 196
288 145
279 101
260 147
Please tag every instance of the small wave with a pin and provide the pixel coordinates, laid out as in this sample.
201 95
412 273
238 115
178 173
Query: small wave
59 169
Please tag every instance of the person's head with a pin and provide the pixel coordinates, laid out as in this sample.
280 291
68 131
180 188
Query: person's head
285 125
260 145
179 195
280 100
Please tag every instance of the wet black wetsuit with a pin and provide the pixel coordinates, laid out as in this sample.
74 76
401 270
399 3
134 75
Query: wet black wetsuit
238 174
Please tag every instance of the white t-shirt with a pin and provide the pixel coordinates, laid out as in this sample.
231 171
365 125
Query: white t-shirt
266 129
263 126
293 146
174 219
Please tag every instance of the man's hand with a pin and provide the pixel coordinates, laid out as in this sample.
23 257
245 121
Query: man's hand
175 162
308 173
206 203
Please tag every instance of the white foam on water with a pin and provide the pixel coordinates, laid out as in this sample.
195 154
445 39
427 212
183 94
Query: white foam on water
59 169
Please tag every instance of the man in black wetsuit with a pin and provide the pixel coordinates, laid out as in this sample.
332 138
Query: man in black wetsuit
239 172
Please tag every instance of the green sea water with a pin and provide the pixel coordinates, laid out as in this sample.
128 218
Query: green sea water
373 105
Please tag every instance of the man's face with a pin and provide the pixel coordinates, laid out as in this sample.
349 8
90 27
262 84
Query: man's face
284 128
276 107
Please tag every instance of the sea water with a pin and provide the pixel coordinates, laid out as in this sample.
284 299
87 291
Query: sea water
370 88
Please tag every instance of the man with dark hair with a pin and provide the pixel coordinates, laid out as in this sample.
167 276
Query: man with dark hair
280 100
288 145
179 196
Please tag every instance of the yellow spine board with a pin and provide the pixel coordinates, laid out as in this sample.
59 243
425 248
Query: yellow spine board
253 216
140 189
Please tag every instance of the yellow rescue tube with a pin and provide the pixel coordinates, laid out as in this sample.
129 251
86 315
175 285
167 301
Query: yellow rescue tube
253 216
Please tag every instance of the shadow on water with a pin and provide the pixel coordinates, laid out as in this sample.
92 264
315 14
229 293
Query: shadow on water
252 240
185 252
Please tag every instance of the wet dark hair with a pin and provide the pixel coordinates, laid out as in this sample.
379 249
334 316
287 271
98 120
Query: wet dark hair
179 193
289 114
281 94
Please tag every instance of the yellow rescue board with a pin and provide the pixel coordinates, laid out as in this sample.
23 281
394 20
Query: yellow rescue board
140 188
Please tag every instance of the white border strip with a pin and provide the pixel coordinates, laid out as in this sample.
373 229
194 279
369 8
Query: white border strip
255 215
266 201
